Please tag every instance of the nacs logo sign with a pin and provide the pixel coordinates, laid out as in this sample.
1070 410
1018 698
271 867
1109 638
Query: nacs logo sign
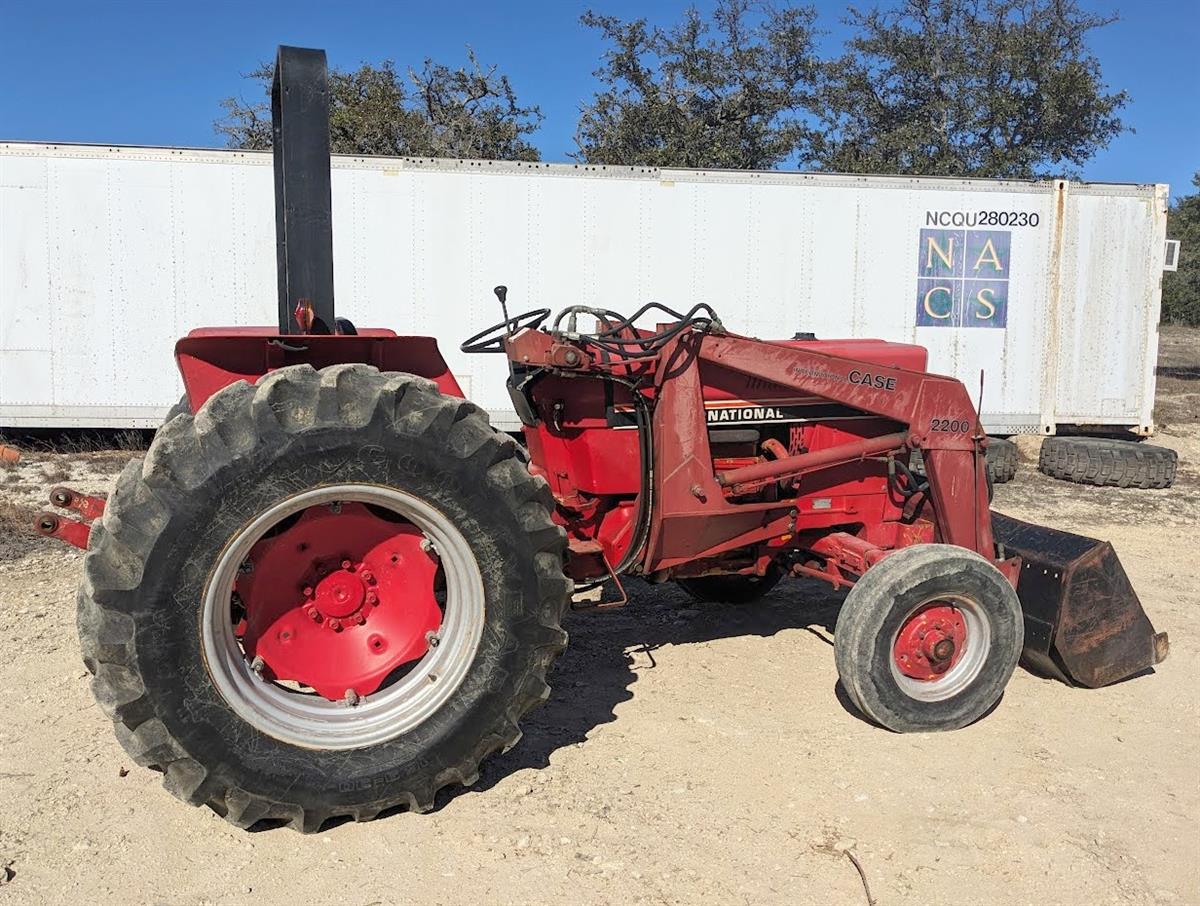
962 278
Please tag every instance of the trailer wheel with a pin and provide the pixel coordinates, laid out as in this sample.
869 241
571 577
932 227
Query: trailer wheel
1105 462
928 638
1002 459
328 594
733 589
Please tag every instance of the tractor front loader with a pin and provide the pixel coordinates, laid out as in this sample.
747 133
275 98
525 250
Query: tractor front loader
331 588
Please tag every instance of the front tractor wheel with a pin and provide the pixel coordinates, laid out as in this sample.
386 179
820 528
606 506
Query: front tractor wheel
324 595
928 638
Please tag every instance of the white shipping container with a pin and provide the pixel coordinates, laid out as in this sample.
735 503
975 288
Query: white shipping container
109 254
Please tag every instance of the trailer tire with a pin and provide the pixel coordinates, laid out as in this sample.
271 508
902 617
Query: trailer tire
881 627
1002 460
1108 463
154 555
732 589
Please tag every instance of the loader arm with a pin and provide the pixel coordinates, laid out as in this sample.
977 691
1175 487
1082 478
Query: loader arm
936 412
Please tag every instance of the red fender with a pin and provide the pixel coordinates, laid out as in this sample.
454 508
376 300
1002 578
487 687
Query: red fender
212 358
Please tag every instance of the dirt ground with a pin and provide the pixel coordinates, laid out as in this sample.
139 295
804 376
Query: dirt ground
688 754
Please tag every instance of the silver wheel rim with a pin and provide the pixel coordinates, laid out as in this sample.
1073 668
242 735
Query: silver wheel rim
315 722
970 663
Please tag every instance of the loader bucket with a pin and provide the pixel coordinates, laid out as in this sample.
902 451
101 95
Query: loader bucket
1084 623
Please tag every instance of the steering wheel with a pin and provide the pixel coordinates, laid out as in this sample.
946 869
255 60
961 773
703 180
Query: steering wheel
484 341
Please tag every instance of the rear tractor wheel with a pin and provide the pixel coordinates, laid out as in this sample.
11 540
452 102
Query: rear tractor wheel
324 595
928 638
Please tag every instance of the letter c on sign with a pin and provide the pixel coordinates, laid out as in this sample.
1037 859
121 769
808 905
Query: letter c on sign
929 302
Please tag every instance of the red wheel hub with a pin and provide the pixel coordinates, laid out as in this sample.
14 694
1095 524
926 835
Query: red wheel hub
340 594
339 599
931 641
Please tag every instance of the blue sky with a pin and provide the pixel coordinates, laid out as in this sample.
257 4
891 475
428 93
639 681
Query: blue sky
152 73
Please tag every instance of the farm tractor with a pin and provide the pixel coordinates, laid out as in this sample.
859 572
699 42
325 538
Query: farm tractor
331 588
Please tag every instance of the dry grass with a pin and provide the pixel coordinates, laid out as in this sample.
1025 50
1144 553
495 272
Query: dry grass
17 535
55 472
1177 400
87 445
16 517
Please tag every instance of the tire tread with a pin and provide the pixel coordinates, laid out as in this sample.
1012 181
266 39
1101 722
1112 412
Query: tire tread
1108 463
188 449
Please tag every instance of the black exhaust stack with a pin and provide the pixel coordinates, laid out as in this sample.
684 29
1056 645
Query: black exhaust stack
303 204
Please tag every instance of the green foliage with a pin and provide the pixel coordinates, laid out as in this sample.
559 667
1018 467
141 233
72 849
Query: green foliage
999 88
725 93
437 112
1181 288
1002 88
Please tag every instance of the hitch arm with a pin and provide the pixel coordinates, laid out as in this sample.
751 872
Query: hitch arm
73 531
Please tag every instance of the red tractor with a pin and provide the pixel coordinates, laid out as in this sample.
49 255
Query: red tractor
332 588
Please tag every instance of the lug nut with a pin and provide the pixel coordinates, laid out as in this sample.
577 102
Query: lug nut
351 698
433 639
359 619
346 564
335 625
427 547
313 613
335 507
372 598
368 576
308 591
257 664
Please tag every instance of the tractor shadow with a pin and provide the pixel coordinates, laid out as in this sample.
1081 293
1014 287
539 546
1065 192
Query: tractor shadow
608 650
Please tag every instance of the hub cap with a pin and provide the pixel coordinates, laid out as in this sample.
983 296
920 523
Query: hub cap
940 648
343 616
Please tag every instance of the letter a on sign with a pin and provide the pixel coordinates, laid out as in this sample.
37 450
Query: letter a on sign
987 254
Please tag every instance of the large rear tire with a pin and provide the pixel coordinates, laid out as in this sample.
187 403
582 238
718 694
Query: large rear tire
181 407
167 640
928 638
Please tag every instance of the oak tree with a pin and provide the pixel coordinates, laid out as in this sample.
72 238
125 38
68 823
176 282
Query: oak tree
438 111
1181 289
999 88
722 92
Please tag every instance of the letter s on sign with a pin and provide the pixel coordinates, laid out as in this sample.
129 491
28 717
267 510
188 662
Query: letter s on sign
986 301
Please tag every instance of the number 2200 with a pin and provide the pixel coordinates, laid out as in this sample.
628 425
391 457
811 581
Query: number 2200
954 425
